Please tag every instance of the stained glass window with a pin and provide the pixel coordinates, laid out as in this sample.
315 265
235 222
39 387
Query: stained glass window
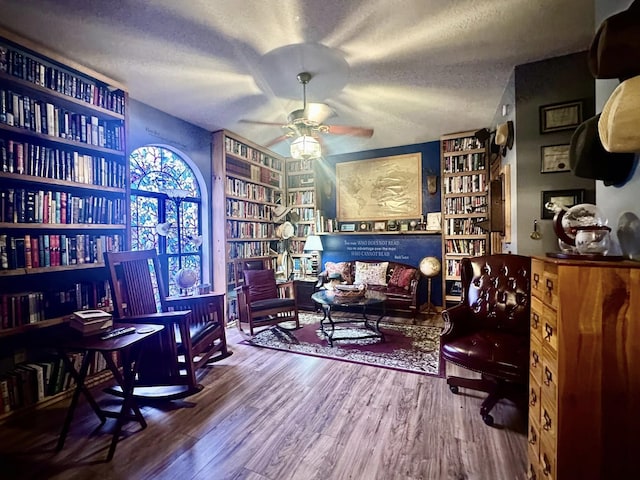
166 211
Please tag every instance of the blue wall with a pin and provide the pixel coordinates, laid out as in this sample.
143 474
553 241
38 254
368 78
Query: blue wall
404 248
409 249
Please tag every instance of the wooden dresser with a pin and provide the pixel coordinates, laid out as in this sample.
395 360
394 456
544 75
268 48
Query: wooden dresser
584 385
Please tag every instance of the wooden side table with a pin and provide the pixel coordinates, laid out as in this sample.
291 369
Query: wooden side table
129 347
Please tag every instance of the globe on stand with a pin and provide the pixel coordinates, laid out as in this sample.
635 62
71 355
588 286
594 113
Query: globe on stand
186 278
430 267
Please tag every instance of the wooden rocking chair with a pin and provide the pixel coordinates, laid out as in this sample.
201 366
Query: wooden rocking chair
194 327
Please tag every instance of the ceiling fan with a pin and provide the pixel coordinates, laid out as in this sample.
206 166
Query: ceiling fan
309 120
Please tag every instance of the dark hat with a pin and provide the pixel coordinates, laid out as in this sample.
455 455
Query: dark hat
615 49
589 159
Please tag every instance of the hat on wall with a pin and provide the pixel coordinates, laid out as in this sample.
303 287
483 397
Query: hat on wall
619 124
615 48
280 212
504 136
589 159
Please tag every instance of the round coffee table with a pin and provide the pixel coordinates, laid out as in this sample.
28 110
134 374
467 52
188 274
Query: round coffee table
328 299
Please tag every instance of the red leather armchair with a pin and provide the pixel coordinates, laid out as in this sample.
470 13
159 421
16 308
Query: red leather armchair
488 332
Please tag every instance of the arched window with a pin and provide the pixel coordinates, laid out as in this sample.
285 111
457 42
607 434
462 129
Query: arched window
166 211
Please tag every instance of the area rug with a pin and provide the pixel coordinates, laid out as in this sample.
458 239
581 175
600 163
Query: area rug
410 348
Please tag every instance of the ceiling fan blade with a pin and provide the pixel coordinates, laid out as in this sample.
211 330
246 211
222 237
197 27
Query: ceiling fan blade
279 139
256 122
346 130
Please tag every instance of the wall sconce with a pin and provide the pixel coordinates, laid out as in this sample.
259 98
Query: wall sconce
432 184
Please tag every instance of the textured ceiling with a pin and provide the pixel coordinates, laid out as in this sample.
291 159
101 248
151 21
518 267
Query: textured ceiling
410 69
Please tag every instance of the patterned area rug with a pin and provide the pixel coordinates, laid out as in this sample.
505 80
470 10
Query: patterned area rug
411 348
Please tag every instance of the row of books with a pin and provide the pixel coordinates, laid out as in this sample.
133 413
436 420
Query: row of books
467 247
300 166
254 173
306 180
35 251
461 144
301 198
242 150
249 210
20 205
465 183
61 164
249 191
22 111
464 163
30 382
307 214
23 308
473 204
20 64
463 226
243 229
247 249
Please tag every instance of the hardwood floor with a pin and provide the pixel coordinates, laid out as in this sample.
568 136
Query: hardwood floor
269 415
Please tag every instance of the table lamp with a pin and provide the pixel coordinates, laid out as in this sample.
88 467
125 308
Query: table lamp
313 244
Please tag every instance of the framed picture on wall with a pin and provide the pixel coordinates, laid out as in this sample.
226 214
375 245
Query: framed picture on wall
379 226
567 198
560 116
554 158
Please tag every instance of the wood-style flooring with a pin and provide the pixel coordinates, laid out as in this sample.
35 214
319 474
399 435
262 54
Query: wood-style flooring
270 415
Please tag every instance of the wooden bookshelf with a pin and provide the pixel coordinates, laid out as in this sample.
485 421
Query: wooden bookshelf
64 180
465 203
248 182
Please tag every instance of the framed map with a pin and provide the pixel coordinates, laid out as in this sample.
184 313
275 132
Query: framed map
380 188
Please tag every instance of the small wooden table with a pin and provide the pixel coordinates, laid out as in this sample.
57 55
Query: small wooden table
328 299
129 347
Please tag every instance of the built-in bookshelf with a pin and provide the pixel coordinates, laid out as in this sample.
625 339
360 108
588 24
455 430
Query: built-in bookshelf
465 203
249 181
63 194
302 198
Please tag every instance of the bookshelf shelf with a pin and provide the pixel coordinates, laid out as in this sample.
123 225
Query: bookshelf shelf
465 196
248 180
64 200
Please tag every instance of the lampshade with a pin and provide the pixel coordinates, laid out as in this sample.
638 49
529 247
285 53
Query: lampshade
305 147
313 243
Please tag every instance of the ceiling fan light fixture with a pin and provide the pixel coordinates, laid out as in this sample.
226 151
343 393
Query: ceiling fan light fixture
305 147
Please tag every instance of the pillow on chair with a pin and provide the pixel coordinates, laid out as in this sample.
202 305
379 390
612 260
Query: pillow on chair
401 277
371 273
341 268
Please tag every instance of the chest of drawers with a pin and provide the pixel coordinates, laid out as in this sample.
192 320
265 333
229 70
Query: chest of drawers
584 377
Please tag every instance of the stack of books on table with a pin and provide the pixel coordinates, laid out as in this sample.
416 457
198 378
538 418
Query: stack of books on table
91 322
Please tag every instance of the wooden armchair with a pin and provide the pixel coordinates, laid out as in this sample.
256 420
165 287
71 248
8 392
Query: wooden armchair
488 332
263 302
194 326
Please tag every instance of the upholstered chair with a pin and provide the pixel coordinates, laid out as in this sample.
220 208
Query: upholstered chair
488 332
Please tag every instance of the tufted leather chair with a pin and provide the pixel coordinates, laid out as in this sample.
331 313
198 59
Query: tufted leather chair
488 332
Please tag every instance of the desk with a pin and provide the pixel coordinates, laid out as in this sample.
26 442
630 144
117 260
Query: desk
328 299
129 347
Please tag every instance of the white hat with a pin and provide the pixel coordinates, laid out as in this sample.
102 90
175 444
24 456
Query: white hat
620 119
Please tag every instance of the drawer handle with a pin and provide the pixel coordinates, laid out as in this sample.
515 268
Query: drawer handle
547 421
548 332
533 438
532 473
548 376
547 465
549 285
536 279
536 359
535 318
533 398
